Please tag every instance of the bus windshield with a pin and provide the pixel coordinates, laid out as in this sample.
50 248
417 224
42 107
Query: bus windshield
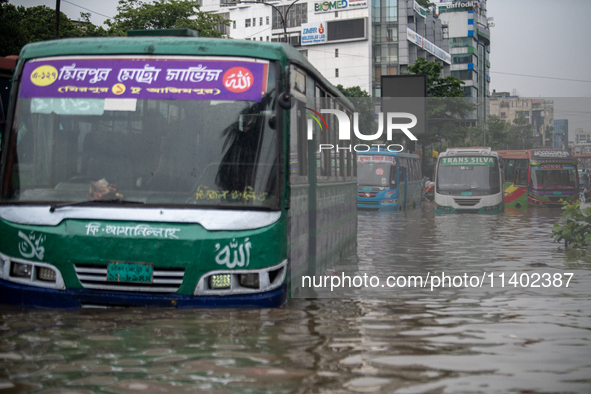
194 150
463 174
377 174
553 177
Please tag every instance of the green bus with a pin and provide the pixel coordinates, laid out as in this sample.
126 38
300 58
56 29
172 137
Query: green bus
168 171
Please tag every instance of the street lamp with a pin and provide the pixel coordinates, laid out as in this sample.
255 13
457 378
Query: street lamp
276 9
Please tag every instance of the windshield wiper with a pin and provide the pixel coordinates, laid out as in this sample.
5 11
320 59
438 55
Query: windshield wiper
53 207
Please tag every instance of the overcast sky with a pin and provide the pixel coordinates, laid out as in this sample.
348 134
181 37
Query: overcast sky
539 48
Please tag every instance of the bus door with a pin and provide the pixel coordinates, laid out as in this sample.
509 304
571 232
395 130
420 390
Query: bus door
516 181
302 179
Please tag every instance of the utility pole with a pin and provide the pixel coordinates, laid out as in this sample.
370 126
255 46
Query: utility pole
283 22
57 18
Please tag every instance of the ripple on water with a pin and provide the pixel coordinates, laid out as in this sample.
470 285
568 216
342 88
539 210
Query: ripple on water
403 340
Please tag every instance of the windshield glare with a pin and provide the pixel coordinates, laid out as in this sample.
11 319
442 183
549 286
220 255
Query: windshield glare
377 174
204 152
553 179
479 179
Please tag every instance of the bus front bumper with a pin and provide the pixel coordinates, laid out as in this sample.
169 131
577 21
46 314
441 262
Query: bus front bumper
33 296
483 210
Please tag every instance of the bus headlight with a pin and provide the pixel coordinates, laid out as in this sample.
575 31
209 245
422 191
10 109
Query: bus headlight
249 280
32 273
242 281
21 270
222 281
46 274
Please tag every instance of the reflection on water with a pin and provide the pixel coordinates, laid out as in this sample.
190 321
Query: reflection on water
402 340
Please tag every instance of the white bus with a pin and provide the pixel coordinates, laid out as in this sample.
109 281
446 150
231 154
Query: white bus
469 180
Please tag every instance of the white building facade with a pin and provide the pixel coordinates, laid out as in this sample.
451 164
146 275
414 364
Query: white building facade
334 36
351 42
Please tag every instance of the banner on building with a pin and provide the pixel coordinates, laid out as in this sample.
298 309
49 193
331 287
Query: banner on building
422 11
314 33
427 45
338 5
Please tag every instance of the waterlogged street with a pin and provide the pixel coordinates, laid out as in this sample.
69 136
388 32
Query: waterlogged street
452 339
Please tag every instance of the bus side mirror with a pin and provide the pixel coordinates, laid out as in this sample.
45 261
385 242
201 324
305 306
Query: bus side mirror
284 100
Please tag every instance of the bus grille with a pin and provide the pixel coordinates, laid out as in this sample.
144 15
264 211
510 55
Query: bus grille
165 280
468 210
368 202
557 199
466 202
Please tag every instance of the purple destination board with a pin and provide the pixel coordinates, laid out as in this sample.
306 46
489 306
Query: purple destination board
154 78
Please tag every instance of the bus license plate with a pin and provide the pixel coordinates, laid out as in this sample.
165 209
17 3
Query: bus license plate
118 271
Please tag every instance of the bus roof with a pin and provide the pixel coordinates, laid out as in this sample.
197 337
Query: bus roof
513 154
179 46
474 151
539 155
374 151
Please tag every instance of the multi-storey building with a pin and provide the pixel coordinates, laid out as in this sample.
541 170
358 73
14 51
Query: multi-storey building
352 42
469 45
561 133
582 137
539 113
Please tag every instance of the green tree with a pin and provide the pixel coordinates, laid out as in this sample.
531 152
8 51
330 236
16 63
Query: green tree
425 3
576 232
445 105
20 26
496 133
437 86
11 31
39 24
164 14
521 134
364 105
353 91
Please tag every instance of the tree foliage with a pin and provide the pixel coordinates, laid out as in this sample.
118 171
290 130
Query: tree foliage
164 14
425 3
13 38
521 134
437 86
495 134
445 105
20 26
576 232
353 91
364 106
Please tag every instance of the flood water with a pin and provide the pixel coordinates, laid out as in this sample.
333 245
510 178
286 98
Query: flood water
484 339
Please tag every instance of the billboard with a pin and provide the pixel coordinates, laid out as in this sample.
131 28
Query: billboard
406 93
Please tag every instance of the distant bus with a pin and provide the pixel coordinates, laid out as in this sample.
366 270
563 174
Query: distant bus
388 180
516 164
468 180
168 171
552 177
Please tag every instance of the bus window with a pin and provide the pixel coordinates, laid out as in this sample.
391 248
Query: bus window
393 176
510 170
